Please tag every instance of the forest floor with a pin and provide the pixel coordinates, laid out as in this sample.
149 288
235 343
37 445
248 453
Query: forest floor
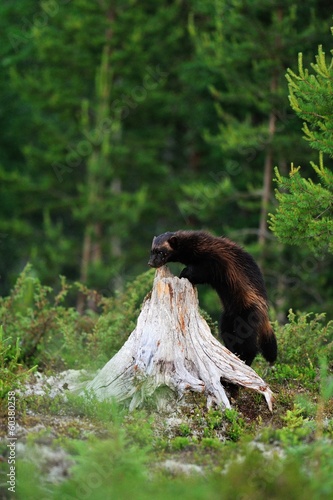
76 447
45 416
188 440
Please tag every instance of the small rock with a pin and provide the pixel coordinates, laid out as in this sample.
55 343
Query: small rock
176 468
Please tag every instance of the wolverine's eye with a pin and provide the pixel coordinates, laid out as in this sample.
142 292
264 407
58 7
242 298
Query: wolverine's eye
160 253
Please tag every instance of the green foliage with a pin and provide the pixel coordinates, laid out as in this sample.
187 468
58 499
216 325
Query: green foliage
12 372
181 443
326 380
119 317
88 405
40 323
307 421
211 443
236 424
311 98
101 467
325 397
305 212
303 342
214 418
229 422
247 86
256 131
117 468
184 430
199 200
296 429
305 339
46 331
98 137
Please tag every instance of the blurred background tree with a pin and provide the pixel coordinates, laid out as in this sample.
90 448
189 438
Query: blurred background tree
122 120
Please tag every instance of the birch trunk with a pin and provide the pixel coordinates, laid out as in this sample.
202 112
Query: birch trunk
172 351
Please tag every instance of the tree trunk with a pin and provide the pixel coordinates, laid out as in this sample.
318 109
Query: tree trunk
115 241
91 254
172 351
268 166
268 169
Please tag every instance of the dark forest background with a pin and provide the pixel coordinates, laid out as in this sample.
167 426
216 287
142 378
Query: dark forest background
123 120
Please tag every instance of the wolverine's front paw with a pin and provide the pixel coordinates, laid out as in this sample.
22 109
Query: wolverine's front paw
186 273
193 274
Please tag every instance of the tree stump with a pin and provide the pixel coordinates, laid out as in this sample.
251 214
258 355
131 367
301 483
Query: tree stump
171 351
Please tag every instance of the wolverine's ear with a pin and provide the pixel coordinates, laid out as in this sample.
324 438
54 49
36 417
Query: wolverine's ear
173 242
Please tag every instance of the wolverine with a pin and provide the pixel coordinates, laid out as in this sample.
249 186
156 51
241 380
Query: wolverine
233 273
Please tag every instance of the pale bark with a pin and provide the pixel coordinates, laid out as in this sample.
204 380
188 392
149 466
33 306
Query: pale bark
172 351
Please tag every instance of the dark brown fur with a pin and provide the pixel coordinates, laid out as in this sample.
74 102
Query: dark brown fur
233 273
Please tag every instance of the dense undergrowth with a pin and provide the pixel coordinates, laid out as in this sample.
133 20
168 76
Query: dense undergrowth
39 328
243 453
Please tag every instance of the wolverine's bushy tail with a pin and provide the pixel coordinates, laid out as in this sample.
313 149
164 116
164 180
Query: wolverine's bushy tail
268 346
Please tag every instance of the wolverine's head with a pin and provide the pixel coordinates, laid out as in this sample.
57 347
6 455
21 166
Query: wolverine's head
162 249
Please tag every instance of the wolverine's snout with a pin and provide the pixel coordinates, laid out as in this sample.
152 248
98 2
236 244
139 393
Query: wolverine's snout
156 261
152 262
